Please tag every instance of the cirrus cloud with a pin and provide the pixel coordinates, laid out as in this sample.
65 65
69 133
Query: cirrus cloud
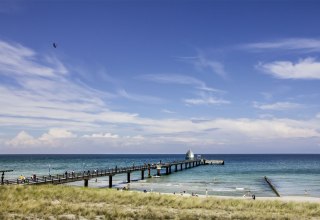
278 106
309 44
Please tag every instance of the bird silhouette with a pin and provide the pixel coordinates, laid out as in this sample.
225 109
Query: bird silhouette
54 45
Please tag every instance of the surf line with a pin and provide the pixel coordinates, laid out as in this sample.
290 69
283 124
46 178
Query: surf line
272 186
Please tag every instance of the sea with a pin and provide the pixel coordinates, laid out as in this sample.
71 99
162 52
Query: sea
291 174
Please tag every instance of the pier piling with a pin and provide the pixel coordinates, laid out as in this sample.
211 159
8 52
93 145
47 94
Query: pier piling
110 181
86 182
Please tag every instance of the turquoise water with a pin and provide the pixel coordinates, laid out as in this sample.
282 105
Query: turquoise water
293 175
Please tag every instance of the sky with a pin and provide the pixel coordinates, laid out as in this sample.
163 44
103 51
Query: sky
159 76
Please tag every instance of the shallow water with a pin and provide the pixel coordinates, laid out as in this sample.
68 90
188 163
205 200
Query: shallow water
293 175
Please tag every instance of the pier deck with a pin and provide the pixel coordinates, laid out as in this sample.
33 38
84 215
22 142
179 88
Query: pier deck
90 174
214 162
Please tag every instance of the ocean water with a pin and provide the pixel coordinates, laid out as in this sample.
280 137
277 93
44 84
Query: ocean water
293 175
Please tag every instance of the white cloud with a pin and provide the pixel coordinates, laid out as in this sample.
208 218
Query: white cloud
208 132
205 98
102 135
23 139
308 68
56 133
287 44
52 138
206 101
265 129
278 106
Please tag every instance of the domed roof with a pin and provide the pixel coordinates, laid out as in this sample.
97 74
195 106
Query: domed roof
189 155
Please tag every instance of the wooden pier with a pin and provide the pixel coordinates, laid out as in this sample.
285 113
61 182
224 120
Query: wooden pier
213 162
170 167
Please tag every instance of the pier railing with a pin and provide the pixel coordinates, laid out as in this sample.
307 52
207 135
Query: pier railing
90 174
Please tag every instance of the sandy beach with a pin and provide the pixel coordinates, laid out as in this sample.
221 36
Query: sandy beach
282 198
67 202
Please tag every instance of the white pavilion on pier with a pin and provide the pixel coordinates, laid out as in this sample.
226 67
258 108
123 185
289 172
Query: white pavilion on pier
189 155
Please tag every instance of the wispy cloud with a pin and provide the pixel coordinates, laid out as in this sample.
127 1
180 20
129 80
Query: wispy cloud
278 106
206 100
202 63
140 98
179 79
19 60
308 44
308 68
204 93
41 93
168 111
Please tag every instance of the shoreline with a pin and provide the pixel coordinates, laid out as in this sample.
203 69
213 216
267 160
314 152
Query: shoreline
187 194
282 199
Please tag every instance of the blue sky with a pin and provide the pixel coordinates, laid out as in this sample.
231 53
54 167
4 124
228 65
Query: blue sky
159 76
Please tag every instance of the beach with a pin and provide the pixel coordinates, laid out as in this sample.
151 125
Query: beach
65 202
282 199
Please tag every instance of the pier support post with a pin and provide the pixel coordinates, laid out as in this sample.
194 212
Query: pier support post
158 172
193 164
2 178
167 170
128 177
86 182
149 171
175 168
142 174
110 181
186 165
180 166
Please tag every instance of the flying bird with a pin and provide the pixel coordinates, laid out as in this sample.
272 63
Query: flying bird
54 45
